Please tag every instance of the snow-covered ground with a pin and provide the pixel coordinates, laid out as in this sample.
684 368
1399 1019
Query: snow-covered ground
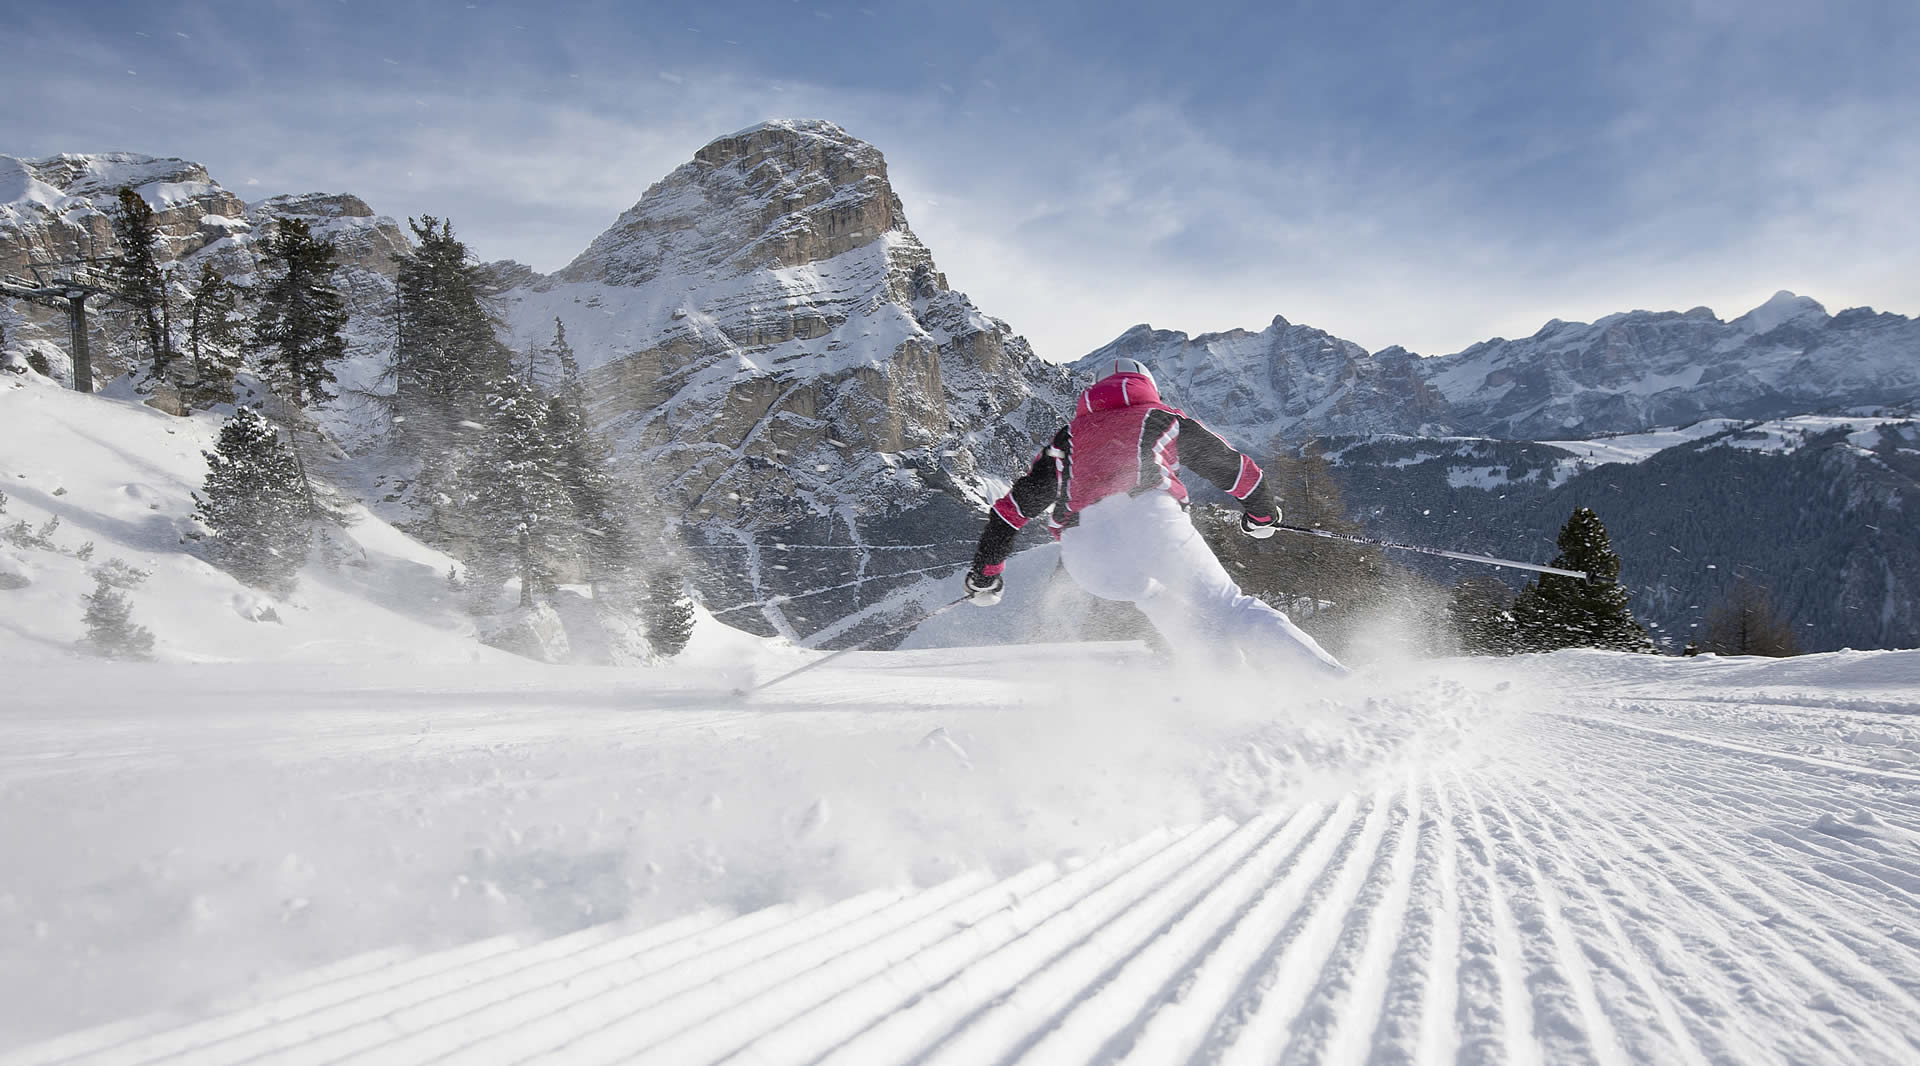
1047 854
1777 435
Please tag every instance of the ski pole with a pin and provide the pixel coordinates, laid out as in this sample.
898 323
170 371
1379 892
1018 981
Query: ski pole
825 659
1328 534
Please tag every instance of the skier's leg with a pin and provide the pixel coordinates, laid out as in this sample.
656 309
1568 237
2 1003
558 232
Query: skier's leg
1220 615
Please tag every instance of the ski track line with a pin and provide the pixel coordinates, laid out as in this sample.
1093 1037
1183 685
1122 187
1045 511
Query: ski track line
1282 987
1339 1021
609 1001
200 1040
1695 787
1617 979
1830 765
73 1045
1699 943
1793 979
853 1010
1846 874
1176 1030
1845 960
1640 952
912 1031
1568 1021
1558 959
1086 1028
1027 1010
1496 1014
750 1012
1435 1006
409 1029
643 1029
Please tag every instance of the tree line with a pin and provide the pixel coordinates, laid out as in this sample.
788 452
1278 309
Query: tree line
509 477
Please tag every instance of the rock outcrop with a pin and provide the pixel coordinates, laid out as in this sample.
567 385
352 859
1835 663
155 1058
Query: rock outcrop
781 365
56 216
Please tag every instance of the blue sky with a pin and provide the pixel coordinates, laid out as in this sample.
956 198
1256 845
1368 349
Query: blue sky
1426 174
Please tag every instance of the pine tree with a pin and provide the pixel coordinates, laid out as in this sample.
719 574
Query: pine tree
137 277
1564 612
255 503
597 532
553 370
668 613
520 509
1746 624
214 334
445 357
1481 613
300 314
111 631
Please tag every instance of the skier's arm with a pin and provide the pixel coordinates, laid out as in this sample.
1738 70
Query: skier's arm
1029 498
1208 454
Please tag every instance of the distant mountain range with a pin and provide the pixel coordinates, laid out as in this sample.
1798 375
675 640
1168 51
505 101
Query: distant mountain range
1623 373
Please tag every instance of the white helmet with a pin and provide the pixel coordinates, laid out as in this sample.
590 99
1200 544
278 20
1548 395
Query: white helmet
1132 366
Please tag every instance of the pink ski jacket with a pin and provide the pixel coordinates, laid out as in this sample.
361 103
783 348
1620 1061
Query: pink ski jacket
1122 440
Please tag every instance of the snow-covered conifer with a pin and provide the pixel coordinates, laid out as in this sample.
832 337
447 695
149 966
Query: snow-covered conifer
111 631
445 355
215 334
137 277
1481 612
1565 612
554 370
668 613
520 513
255 503
299 314
597 531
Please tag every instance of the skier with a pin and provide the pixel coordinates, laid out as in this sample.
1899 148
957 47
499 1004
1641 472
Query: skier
1111 480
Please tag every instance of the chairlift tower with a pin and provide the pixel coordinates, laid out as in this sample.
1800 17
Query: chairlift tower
70 294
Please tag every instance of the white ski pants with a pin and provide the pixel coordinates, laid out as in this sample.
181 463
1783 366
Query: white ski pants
1143 549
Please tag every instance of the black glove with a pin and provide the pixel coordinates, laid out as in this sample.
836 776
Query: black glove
984 591
1259 528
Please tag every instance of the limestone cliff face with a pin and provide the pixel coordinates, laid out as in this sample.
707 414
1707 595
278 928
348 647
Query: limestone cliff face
779 360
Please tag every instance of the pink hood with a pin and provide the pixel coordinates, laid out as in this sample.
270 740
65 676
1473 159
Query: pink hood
1119 390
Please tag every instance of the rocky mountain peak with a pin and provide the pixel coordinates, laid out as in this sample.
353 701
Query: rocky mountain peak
767 340
1783 307
779 194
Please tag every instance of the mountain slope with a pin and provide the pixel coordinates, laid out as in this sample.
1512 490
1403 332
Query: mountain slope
1821 512
120 476
779 362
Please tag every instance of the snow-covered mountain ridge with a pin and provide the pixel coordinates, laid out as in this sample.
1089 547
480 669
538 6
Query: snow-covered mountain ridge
1622 373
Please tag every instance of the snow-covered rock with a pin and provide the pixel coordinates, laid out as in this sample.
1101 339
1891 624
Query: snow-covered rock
59 210
777 358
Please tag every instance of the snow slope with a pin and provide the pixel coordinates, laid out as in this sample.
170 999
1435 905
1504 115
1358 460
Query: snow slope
1051 854
121 476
